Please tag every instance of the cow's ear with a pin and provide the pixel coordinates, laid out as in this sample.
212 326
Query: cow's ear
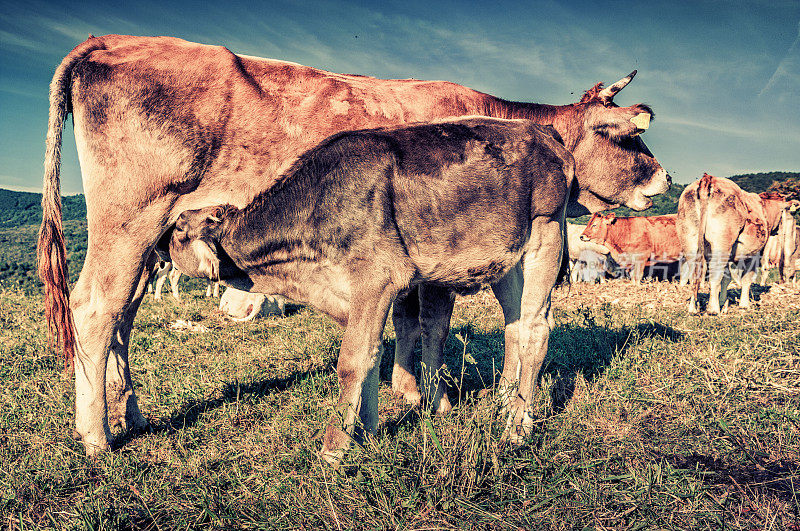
618 123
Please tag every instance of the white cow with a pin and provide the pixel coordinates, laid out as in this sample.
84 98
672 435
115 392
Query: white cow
244 306
165 270
587 260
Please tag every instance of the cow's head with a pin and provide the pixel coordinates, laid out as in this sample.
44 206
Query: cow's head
775 204
596 230
613 165
194 244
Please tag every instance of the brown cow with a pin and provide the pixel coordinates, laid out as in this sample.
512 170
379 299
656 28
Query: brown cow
636 242
719 223
164 125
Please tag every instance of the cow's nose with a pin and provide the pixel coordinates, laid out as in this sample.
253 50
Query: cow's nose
669 180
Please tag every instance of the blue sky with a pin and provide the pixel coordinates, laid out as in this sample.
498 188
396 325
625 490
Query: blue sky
722 76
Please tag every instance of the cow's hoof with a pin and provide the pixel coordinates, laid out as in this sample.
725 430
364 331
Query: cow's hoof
413 398
332 457
93 449
444 406
519 426
406 386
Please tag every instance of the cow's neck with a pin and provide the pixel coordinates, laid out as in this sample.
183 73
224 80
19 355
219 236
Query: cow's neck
561 117
772 212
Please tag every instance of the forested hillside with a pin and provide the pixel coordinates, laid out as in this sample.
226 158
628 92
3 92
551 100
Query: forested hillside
21 213
25 208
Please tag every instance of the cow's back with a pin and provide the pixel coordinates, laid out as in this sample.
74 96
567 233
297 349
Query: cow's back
188 112
664 238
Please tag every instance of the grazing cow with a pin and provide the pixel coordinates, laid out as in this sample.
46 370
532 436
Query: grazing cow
244 306
783 247
163 125
636 242
164 270
587 260
719 223
369 214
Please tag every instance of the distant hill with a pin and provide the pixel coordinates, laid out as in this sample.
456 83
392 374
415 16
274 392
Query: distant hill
25 208
761 182
20 216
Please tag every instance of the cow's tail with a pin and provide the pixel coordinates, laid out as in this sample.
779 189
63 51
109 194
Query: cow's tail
704 190
52 254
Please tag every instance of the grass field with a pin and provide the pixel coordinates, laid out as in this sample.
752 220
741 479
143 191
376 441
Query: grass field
647 419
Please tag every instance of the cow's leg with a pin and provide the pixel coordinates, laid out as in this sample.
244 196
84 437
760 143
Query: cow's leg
405 318
684 272
435 310
123 409
637 273
174 276
749 268
103 304
508 291
161 277
358 364
539 270
718 279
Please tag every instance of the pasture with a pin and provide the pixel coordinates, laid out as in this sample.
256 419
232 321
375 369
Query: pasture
648 418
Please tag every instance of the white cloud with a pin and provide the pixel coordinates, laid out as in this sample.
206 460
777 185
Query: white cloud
784 82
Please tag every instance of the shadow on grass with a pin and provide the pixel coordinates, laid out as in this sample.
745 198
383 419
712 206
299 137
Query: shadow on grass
191 411
734 295
575 348
776 477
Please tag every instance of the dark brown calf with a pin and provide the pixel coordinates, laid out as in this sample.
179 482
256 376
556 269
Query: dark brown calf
367 215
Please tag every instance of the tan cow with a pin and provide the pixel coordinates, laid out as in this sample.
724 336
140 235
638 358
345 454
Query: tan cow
636 242
719 223
782 252
163 125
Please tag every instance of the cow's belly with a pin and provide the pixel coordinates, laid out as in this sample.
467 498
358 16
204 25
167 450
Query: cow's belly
466 270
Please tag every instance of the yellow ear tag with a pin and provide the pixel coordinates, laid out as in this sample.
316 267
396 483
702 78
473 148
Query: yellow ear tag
641 120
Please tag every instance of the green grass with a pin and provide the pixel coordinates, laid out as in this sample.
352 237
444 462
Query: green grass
647 419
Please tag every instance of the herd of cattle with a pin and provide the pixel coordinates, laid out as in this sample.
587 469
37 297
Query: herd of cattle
356 195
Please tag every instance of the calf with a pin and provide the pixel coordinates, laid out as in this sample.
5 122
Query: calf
719 223
636 242
368 215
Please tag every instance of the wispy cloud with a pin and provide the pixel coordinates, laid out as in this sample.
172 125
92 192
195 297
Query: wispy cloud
787 74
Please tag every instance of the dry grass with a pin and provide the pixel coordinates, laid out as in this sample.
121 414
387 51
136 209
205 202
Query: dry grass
647 418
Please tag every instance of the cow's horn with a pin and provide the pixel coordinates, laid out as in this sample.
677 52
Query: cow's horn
641 120
608 93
